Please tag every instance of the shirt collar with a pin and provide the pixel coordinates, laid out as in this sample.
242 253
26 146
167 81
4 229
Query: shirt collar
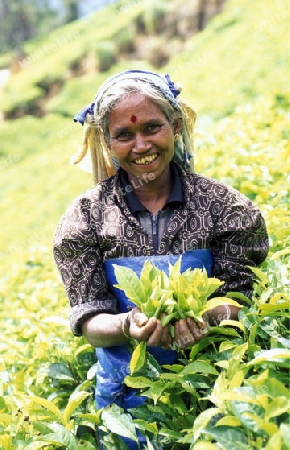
176 194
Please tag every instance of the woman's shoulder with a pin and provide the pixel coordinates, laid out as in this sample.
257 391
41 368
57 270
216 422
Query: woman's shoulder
200 181
94 193
92 198
197 184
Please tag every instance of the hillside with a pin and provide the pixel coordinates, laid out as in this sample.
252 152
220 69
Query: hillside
138 32
236 73
240 58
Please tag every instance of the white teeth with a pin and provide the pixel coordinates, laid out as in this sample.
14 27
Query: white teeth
146 159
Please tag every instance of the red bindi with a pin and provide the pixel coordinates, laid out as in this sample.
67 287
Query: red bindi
133 119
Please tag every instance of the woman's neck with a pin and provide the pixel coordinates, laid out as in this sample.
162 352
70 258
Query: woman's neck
152 193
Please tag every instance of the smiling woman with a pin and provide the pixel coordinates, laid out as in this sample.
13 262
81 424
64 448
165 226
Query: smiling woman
95 118
146 146
147 205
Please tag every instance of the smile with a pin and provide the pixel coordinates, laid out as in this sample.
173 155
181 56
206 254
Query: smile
146 159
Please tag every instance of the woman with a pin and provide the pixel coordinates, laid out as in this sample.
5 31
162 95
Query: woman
147 204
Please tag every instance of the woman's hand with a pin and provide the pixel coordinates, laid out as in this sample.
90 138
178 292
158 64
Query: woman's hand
223 312
187 332
150 330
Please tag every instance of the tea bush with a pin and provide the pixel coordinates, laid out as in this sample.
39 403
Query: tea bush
229 391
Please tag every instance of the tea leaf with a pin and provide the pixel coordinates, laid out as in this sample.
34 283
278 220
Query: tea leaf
205 445
275 355
217 301
230 438
230 421
129 283
199 367
60 435
138 357
275 441
119 423
74 401
137 382
232 323
278 406
202 421
49 405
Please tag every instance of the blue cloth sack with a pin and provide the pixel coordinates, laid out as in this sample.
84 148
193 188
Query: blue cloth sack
113 362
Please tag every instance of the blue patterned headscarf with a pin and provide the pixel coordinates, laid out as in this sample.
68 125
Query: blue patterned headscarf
163 83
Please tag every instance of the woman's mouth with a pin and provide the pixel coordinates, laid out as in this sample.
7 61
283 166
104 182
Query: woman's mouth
145 160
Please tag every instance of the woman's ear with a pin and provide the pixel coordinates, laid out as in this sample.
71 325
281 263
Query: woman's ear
177 125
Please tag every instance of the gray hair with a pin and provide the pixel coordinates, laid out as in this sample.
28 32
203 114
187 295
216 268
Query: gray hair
125 88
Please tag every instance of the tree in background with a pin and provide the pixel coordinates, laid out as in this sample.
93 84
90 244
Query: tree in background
72 10
22 20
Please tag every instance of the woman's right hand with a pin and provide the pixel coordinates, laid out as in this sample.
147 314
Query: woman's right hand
150 330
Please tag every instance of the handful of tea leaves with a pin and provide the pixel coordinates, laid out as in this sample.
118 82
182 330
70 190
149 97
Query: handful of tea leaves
168 297
175 297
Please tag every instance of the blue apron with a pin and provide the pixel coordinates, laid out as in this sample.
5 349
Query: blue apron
113 362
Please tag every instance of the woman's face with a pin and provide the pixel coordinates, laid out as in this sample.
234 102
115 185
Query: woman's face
141 138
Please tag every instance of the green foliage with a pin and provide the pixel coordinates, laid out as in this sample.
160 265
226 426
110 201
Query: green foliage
20 24
125 39
233 382
237 59
175 297
169 298
45 393
48 60
153 15
231 389
106 55
248 150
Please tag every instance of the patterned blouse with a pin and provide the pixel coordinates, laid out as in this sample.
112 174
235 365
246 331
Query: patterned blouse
99 226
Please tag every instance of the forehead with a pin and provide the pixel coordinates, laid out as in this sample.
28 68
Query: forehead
134 108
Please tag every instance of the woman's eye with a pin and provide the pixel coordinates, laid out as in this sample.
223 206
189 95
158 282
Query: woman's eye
124 136
153 128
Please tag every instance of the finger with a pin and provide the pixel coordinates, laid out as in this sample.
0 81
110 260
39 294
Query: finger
197 329
140 319
183 337
166 339
182 326
155 337
204 327
141 333
194 329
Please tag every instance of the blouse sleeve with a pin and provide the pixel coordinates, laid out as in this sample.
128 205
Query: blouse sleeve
78 259
240 239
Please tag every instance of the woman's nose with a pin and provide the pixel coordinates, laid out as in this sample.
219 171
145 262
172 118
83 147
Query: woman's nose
141 143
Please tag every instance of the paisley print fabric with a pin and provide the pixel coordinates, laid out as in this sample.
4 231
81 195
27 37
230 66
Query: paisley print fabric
99 226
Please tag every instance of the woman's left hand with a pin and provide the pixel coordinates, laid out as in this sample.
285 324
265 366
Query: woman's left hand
187 332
